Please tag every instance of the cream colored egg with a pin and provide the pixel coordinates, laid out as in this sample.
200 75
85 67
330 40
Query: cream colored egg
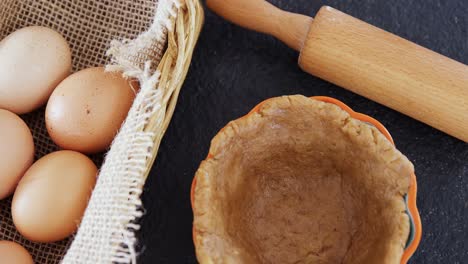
87 109
33 61
51 198
13 253
16 151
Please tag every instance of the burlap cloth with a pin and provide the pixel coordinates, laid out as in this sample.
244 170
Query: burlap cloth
131 35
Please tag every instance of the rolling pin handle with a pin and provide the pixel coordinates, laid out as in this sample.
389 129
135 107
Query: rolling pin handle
261 16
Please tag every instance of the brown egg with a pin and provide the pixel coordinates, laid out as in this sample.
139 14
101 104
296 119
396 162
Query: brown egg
13 253
87 109
16 151
33 61
50 199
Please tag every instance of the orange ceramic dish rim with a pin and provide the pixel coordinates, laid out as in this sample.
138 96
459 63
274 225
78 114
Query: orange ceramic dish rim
411 196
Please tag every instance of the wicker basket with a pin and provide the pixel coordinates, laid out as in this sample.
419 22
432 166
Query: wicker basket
149 40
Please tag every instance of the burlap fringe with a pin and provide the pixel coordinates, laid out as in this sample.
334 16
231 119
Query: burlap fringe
107 231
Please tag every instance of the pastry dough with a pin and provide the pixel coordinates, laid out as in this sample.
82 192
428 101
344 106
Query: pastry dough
300 181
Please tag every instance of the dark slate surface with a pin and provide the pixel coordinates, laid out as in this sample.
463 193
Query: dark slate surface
234 69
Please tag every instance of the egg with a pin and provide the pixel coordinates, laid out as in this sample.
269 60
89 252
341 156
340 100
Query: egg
87 109
13 253
51 198
33 61
16 151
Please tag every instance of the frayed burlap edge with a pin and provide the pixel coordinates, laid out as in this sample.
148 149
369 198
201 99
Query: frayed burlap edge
107 231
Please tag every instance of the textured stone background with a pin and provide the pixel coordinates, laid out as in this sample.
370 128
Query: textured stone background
234 69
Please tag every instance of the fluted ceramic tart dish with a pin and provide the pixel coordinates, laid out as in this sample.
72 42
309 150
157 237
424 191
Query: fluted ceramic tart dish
305 180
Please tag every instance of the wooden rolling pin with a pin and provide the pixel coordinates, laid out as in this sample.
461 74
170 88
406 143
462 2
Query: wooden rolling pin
366 60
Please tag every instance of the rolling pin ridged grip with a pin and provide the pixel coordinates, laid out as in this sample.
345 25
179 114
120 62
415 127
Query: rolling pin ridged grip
388 69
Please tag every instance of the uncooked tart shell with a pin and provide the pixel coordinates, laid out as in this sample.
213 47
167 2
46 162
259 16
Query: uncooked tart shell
300 181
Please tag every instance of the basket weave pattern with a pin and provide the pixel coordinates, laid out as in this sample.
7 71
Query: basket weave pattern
149 40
